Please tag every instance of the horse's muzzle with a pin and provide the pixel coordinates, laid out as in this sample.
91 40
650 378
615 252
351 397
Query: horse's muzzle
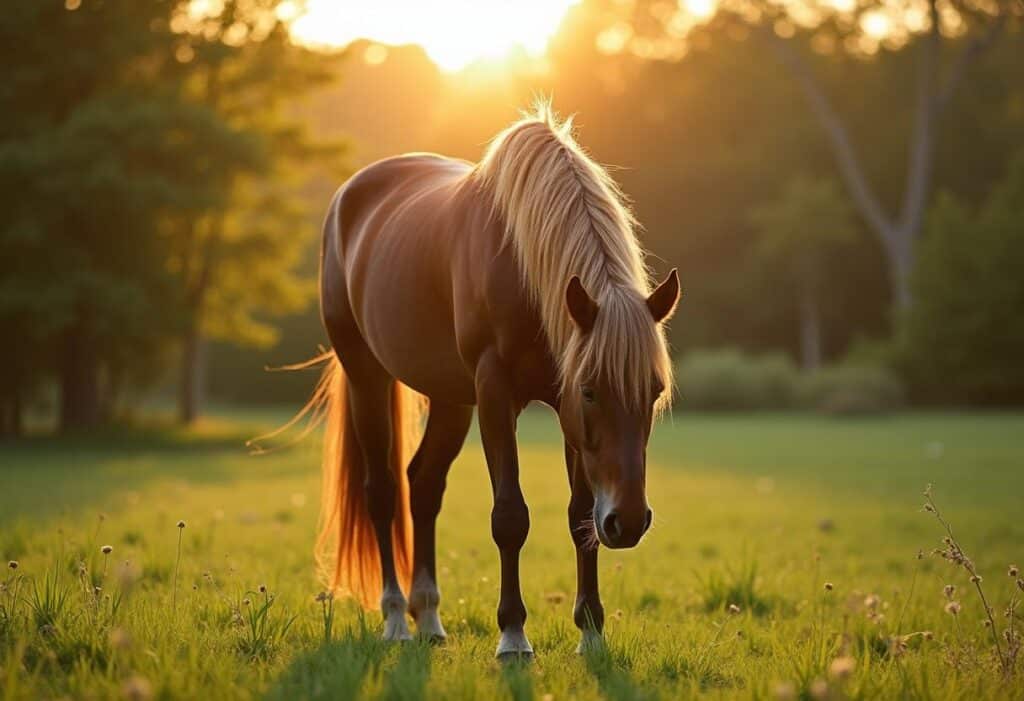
616 530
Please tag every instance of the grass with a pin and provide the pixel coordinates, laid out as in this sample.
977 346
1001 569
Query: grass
754 512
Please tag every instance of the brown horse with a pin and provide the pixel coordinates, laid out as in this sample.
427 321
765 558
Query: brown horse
517 279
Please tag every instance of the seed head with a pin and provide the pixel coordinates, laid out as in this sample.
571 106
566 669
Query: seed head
97 590
872 601
1020 584
195 587
137 688
949 589
13 564
734 609
975 579
987 623
929 507
1013 571
953 608
245 601
842 667
927 635
321 597
263 589
181 524
828 586
107 549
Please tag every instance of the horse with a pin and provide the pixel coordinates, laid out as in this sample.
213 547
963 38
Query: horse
447 285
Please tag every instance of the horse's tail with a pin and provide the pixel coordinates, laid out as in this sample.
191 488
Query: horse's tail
346 548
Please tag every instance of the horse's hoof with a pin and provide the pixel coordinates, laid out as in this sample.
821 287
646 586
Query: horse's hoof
511 658
434 638
514 647
590 642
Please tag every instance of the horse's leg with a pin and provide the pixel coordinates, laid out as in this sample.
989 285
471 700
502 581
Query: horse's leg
446 430
588 612
510 519
370 403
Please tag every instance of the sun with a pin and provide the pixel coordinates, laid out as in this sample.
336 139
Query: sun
454 33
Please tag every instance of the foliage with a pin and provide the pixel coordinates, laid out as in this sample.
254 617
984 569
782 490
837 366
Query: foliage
849 388
884 619
732 380
965 336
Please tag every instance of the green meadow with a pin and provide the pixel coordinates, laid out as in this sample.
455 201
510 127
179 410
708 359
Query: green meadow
810 526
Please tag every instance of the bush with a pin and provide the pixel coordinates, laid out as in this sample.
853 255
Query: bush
965 332
730 380
851 389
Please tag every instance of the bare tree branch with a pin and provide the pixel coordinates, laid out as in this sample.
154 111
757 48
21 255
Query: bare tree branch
977 46
849 163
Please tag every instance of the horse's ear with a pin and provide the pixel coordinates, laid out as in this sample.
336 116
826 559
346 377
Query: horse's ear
663 300
582 308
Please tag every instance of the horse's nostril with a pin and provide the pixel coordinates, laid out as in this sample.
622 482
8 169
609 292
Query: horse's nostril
612 527
648 520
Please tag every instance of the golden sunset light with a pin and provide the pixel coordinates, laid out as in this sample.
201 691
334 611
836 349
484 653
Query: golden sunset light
454 33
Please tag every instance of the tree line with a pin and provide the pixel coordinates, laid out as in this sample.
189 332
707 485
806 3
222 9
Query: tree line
150 166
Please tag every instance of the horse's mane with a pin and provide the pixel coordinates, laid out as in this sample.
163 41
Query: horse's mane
565 216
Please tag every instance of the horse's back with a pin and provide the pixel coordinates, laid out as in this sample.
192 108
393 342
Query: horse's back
392 241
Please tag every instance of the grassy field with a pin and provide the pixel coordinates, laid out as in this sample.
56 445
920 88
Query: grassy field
754 511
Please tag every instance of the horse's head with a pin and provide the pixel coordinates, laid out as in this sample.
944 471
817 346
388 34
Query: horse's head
607 416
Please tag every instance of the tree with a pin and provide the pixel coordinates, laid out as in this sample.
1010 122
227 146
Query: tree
962 30
965 335
88 163
241 254
798 233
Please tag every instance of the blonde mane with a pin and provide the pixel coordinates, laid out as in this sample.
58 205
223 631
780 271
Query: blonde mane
565 216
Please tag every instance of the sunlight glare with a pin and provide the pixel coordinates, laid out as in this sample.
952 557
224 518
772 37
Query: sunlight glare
454 33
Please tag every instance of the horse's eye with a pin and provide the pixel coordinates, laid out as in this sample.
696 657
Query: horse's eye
588 394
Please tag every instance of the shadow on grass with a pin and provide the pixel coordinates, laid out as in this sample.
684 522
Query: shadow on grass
518 679
339 670
612 671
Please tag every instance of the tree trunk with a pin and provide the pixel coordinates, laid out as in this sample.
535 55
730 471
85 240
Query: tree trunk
11 414
810 331
193 374
899 251
79 381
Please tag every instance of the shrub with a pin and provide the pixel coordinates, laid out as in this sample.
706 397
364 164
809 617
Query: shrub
851 389
965 331
730 380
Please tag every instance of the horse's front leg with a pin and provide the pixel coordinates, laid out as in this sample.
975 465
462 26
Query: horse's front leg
588 612
510 519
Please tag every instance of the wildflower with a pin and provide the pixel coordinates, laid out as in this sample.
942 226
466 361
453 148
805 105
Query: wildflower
181 524
137 688
1013 571
987 623
195 587
975 579
107 549
321 597
785 691
263 589
246 602
949 589
872 601
13 564
120 639
828 586
953 608
819 689
927 635
734 609
842 667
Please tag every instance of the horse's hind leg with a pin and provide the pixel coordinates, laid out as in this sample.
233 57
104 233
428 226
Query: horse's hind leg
370 403
447 425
